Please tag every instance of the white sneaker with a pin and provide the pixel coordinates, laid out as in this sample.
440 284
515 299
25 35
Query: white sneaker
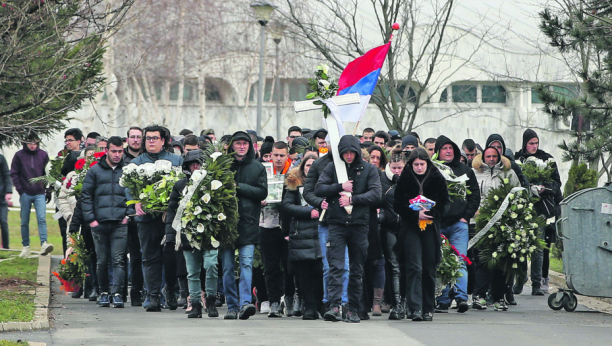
265 308
25 252
45 248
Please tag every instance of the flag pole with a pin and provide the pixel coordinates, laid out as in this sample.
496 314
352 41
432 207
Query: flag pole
395 27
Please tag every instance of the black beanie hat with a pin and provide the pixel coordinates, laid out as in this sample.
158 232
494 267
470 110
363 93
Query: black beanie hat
409 140
300 142
266 147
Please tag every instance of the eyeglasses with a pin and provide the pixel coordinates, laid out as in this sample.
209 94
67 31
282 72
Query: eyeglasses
70 140
152 139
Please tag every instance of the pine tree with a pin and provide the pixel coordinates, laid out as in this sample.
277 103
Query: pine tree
582 35
51 61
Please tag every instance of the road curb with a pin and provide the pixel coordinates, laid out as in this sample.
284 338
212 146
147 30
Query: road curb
42 300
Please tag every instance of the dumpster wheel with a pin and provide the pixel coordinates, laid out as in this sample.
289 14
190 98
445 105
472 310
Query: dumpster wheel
555 304
570 302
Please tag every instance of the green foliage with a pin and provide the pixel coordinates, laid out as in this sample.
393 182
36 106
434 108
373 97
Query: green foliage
580 177
537 171
323 86
74 267
51 61
514 237
583 37
450 263
211 215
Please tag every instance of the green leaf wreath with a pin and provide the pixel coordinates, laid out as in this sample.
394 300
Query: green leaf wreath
54 178
210 217
323 86
515 236
538 171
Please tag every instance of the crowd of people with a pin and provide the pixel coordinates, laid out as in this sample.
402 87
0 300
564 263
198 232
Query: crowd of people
339 250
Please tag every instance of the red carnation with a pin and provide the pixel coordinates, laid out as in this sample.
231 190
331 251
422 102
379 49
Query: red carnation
99 154
79 164
69 184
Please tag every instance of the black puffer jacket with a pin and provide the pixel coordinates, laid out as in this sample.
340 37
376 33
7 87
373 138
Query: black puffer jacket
252 188
459 209
515 167
548 205
304 230
102 198
367 190
69 162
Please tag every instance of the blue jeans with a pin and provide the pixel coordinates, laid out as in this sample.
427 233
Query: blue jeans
193 260
323 235
245 259
40 205
458 236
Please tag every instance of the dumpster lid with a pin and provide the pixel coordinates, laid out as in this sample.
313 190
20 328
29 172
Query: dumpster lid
582 192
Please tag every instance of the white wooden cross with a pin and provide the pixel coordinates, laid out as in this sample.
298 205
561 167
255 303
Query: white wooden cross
333 132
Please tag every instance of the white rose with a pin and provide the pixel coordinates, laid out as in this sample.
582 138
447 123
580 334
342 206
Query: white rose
514 215
141 171
206 198
221 217
513 255
214 155
530 205
197 211
496 198
522 259
494 255
511 196
523 251
200 228
520 206
514 266
518 237
215 184
490 236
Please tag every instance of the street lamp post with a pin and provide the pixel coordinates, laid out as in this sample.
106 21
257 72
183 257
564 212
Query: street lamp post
263 11
277 34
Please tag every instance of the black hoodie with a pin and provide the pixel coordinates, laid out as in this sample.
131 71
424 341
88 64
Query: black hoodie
515 167
367 190
252 188
552 196
460 209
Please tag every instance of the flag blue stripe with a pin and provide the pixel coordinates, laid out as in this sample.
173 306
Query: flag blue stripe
365 86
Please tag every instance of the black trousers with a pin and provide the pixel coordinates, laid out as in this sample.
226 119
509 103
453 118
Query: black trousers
482 275
156 257
419 253
136 276
355 237
110 240
93 259
309 276
499 284
274 250
63 226
392 268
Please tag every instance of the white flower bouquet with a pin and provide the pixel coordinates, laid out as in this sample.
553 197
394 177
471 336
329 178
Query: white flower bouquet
208 212
151 184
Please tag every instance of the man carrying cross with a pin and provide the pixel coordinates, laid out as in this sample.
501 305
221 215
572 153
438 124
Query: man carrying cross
348 229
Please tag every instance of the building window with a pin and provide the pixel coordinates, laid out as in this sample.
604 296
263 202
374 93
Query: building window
568 91
399 92
188 92
290 90
493 94
535 97
444 96
465 93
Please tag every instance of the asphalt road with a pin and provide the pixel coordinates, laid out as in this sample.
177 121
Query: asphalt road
79 322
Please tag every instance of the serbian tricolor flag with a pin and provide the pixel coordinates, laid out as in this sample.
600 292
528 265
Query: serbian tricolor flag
360 76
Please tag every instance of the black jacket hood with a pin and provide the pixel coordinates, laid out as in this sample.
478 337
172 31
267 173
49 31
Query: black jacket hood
441 141
245 136
350 143
496 138
192 156
528 135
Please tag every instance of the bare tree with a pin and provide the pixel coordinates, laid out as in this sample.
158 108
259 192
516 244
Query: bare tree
418 61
